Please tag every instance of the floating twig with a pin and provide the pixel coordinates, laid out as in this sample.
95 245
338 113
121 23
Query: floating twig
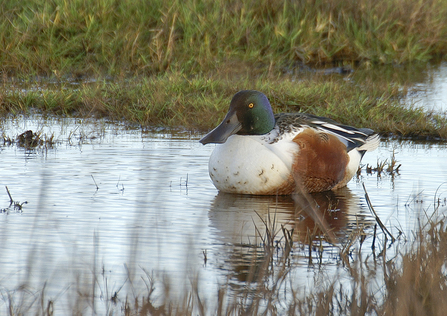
373 245
97 188
436 199
119 178
10 197
122 185
205 257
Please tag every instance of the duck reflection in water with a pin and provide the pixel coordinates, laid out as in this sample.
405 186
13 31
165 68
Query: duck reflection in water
239 219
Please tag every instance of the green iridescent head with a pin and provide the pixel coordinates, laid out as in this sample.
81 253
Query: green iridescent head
250 113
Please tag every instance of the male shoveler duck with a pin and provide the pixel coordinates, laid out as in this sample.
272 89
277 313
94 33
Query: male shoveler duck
265 154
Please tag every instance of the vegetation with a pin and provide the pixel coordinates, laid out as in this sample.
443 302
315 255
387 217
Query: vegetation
61 37
199 103
410 281
177 63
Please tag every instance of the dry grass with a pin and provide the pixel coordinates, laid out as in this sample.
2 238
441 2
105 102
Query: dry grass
413 282
410 281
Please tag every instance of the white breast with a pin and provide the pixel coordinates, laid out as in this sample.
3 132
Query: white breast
249 165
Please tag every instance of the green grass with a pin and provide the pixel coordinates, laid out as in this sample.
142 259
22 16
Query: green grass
199 103
97 37
178 63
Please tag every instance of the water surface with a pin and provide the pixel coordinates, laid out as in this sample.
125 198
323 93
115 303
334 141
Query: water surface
123 202
431 94
107 207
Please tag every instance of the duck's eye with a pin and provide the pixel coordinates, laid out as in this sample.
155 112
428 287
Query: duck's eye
251 105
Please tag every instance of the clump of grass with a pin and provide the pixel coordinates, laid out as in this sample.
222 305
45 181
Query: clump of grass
30 140
413 281
387 166
417 284
130 37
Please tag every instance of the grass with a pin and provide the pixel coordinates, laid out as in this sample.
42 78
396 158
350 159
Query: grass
178 63
412 282
14 206
122 38
198 103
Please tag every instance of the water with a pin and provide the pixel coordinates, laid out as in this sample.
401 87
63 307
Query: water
134 208
431 93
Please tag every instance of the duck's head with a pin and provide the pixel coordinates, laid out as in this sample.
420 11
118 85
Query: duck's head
250 113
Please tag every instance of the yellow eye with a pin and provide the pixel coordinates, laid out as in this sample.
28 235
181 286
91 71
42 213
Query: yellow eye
251 105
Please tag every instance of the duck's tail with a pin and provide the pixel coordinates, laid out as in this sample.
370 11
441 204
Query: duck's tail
371 143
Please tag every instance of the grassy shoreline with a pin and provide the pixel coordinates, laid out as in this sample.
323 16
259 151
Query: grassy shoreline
178 63
199 102
128 38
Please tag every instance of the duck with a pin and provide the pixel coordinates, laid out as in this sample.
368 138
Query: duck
261 153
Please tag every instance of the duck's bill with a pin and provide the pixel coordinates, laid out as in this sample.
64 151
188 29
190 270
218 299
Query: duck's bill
229 126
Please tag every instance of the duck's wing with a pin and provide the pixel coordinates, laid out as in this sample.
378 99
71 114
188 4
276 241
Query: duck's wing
361 139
